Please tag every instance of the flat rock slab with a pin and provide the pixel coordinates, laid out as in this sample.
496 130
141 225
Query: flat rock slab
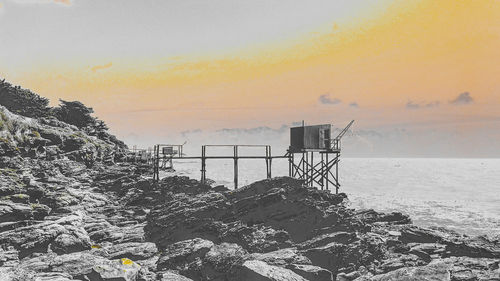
311 272
281 257
255 270
435 272
132 250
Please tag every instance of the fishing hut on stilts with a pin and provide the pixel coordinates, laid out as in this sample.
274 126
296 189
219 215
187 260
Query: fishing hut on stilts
306 142
313 156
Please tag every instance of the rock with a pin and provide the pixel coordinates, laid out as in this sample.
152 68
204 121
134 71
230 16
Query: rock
421 254
180 255
116 270
477 247
52 276
322 240
429 248
260 271
173 276
185 217
68 243
328 256
415 234
263 216
77 265
53 136
133 250
40 211
371 216
281 257
37 237
436 272
256 238
466 268
10 211
218 263
311 272
9 257
18 198
397 261
348 276
33 238
103 231
8 185
283 203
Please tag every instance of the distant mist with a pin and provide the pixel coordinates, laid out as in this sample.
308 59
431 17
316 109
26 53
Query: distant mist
480 142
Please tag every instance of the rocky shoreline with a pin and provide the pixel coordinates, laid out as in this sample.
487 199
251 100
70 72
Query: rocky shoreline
112 223
70 209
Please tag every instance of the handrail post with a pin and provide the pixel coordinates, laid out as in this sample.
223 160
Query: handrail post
203 164
270 163
235 166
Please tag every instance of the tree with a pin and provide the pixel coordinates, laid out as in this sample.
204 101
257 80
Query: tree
75 113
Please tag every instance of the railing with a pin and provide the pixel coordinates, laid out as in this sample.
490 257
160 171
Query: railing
268 158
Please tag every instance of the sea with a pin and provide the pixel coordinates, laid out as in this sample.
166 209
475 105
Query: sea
459 194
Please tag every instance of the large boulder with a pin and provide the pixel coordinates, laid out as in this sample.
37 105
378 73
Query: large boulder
283 203
263 216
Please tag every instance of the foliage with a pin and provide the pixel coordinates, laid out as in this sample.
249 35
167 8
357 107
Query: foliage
23 101
74 113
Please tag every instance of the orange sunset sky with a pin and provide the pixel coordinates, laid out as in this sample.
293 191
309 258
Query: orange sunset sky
153 69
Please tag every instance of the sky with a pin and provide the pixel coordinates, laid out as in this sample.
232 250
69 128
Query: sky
420 77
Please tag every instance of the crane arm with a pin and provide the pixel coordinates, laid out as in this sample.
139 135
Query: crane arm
336 141
342 133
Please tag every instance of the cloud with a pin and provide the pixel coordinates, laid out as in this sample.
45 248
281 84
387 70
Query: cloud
463 98
412 105
433 104
101 67
354 104
326 99
191 132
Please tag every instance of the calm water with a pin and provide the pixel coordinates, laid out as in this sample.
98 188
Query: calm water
461 194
